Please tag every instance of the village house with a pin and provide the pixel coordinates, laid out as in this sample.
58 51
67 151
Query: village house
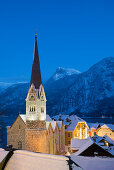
78 129
106 129
35 131
89 147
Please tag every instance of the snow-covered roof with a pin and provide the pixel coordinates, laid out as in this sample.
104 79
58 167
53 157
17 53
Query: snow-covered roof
78 143
59 124
111 126
93 125
106 126
93 163
26 160
23 116
48 118
105 137
85 146
74 120
53 124
3 154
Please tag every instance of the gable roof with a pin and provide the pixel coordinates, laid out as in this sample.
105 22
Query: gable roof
105 137
75 120
78 143
93 125
89 144
23 117
53 124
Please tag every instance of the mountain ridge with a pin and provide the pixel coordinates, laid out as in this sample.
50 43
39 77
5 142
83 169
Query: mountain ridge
87 93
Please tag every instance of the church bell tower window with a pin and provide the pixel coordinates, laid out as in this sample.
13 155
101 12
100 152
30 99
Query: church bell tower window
42 110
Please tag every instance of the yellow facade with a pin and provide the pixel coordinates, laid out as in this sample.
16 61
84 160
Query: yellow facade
105 130
81 131
68 137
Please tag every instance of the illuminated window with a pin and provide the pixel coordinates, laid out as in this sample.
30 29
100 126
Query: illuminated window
42 110
19 145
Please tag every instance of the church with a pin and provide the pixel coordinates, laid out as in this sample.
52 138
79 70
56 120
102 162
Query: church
35 131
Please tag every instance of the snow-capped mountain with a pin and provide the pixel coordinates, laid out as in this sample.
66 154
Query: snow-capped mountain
68 91
62 72
91 92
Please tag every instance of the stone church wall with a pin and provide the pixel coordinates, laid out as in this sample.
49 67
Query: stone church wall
16 134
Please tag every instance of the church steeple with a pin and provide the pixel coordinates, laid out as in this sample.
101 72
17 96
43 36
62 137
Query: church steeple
36 74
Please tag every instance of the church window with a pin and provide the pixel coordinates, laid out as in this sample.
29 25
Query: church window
42 110
19 145
30 109
34 108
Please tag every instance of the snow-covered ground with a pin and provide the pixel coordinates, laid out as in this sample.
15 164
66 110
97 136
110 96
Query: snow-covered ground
25 160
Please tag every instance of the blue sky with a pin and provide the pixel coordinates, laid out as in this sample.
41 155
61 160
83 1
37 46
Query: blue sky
71 34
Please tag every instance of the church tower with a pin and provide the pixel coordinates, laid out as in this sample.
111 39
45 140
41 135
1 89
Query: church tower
36 99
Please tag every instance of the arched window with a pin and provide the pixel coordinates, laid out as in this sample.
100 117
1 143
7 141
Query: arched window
30 109
19 145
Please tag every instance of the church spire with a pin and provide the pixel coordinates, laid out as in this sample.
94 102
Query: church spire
36 74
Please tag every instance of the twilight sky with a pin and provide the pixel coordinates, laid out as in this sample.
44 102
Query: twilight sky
71 34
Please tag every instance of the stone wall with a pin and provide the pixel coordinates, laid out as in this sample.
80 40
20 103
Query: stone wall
36 140
36 124
16 133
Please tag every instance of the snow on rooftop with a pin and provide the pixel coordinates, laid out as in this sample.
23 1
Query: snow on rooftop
78 143
111 126
94 163
48 118
93 125
26 160
74 120
84 146
105 137
3 154
23 116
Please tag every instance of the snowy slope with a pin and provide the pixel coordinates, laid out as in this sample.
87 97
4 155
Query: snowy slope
69 91
91 93
62 72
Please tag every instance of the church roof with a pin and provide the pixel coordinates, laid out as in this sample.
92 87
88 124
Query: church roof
36 74
23 117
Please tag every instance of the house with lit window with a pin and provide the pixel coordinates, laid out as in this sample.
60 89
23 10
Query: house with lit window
36 131
106 129
77 129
